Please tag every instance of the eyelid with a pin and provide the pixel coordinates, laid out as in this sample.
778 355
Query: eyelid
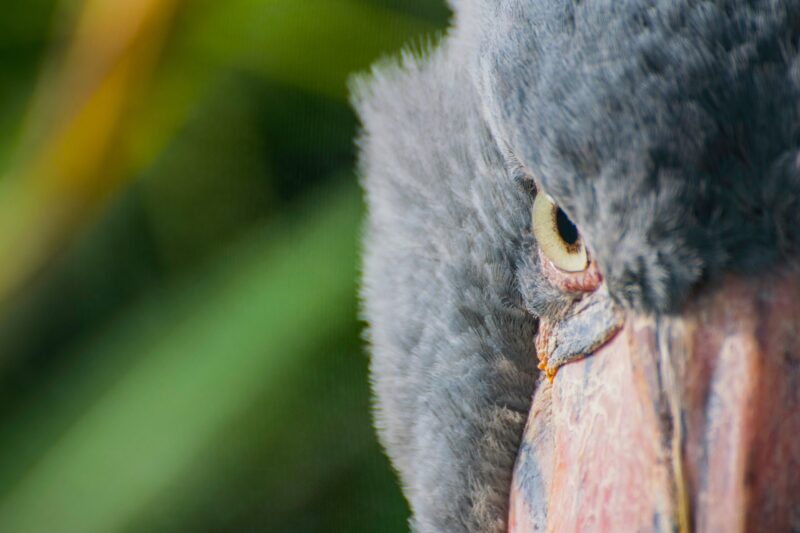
587 280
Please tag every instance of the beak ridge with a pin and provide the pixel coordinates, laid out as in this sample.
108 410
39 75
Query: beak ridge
679 423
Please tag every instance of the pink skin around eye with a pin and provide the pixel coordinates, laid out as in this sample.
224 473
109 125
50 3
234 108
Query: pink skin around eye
587 280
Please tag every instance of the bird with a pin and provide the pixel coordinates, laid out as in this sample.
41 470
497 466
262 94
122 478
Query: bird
580 266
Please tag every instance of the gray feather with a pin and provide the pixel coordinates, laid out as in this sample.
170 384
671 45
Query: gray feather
453 348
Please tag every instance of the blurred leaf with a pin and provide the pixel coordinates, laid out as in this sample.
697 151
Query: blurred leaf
25 21
69 162
213 182
24 37
310 45
227 393
306 461
217 344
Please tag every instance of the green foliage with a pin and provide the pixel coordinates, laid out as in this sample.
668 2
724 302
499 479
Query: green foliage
189 358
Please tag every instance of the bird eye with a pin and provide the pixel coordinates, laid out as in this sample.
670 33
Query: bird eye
556 235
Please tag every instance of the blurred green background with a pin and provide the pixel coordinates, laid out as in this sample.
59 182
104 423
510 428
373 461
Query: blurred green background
179 238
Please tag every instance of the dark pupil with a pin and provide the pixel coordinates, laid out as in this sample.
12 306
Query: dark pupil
566 229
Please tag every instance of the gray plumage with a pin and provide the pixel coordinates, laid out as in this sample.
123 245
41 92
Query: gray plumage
667 130
454 357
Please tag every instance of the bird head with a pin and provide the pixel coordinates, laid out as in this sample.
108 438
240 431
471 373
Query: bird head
581 266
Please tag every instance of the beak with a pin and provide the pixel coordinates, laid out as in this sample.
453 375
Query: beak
679 423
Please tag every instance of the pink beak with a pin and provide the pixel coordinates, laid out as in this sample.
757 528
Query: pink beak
679 423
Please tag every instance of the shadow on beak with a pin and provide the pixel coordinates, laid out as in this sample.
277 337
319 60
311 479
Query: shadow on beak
688 422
